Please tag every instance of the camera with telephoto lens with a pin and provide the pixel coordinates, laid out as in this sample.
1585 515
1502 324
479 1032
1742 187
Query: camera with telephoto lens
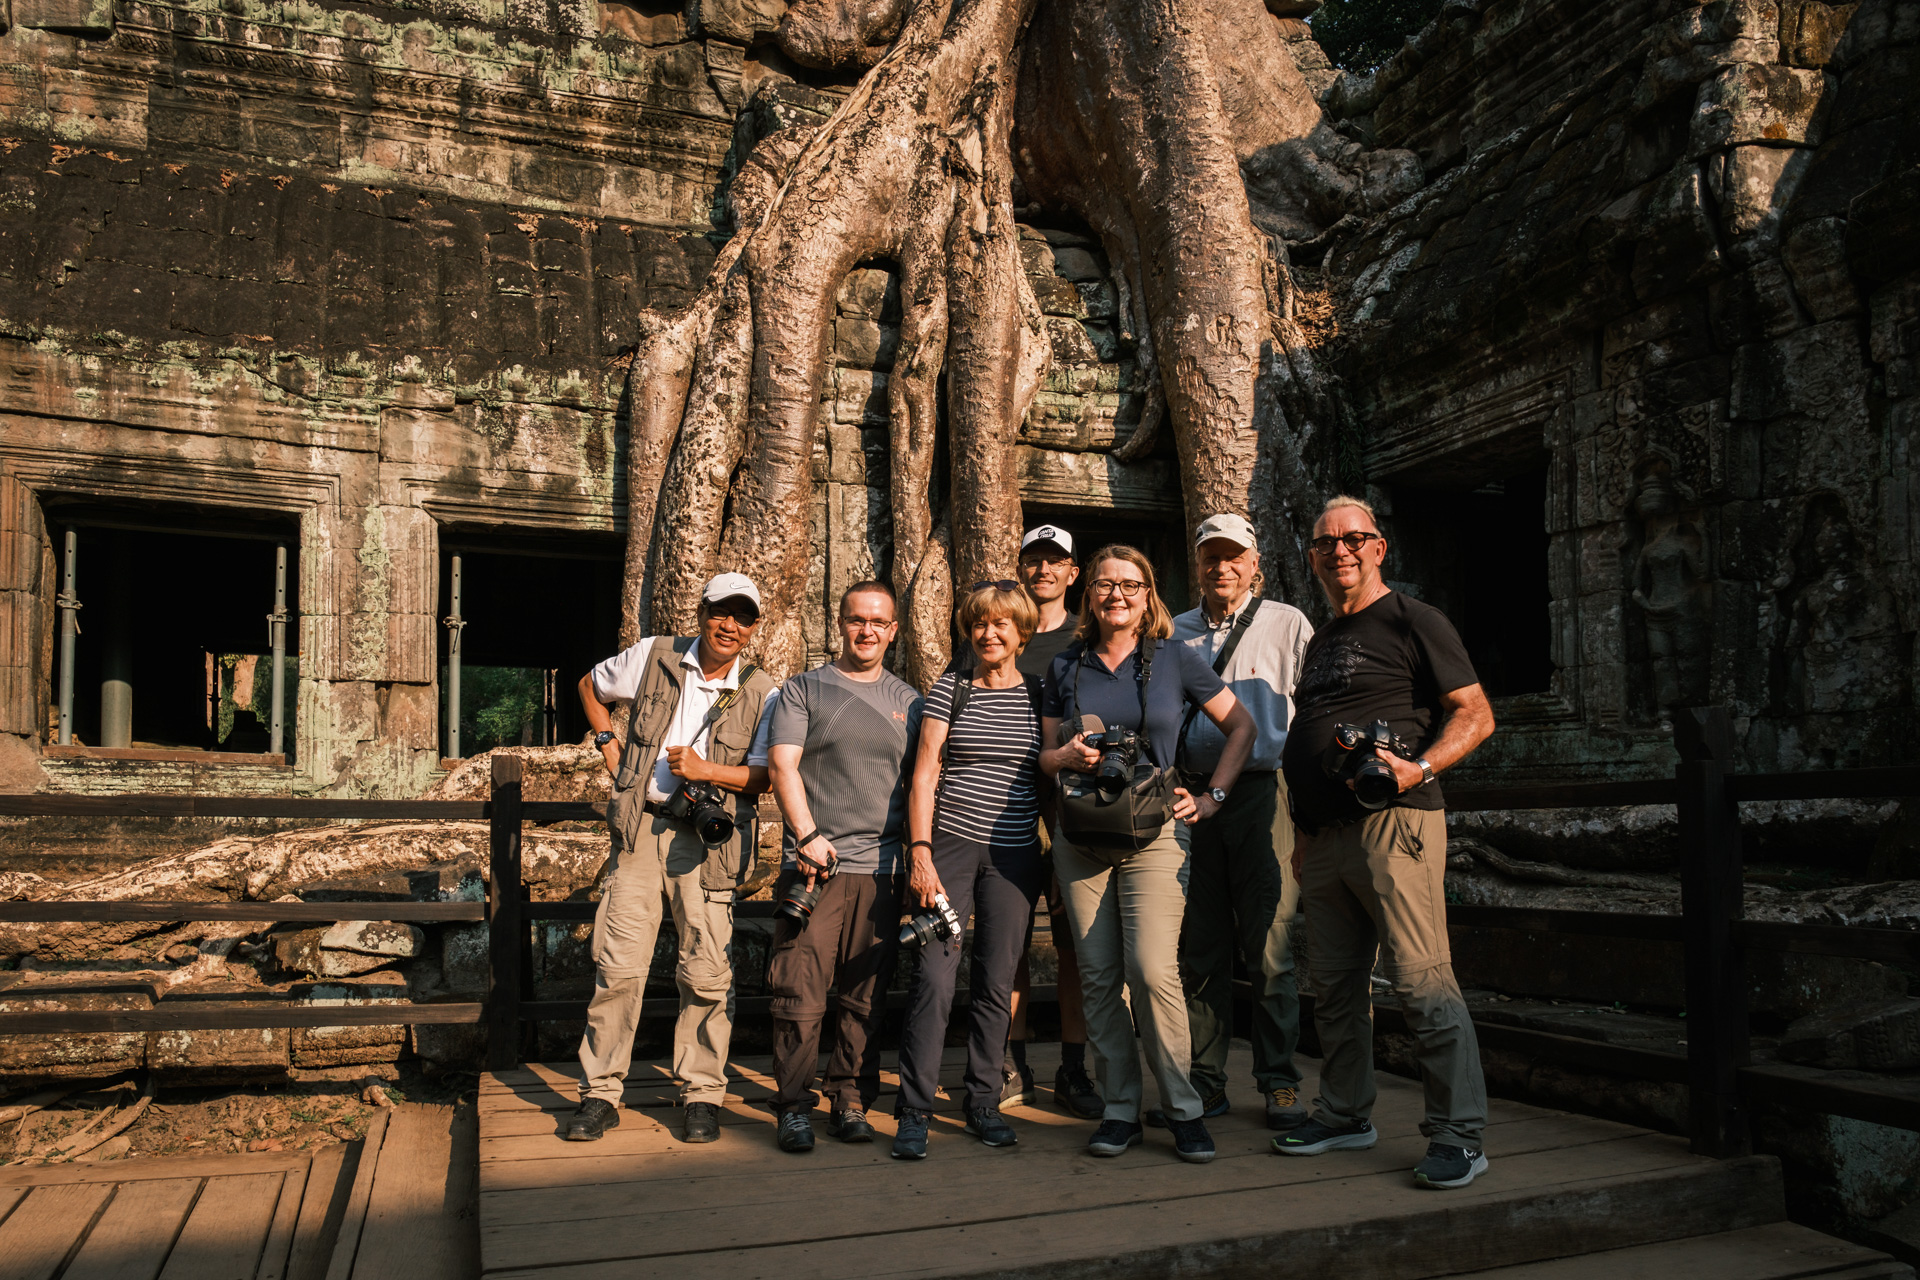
703 806
800 898
928 923
1119 752
1356 753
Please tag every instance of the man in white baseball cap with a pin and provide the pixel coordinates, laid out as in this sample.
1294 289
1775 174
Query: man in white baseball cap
1241 891
697 702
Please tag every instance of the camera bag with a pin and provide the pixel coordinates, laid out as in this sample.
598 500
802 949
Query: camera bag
1111 828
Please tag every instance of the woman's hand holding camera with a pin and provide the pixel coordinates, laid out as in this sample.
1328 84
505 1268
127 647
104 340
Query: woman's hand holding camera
923 880
1074 756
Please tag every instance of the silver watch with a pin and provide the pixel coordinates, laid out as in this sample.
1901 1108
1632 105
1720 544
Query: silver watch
1426 771
1219 796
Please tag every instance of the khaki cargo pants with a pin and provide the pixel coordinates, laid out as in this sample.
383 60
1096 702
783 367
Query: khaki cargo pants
1376 886
658 860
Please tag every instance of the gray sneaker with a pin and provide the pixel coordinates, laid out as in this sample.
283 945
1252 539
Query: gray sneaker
1449 1166
910 1139
1285 1110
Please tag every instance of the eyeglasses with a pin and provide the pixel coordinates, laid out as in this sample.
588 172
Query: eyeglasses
998 584
744 614
1351 541
865 624
1107 587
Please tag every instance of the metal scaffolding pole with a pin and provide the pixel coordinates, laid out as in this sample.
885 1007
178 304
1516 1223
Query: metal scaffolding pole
454 623
277 631
69 628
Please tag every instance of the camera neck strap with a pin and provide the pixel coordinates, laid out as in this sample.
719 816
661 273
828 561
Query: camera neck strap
1241 625
1143 661
720 704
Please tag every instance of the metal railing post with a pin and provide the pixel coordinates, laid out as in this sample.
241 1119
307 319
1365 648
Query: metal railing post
277 638
69 604
1712 893
454 624
506 919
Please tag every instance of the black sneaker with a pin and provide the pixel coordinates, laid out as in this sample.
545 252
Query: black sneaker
702 1123
1191 1141
910 1139
850 1125
1312 1138
991 1128
796 1131
1113 1137
1018 1087
591 1122
1214 1104
1449 1166
1074 1093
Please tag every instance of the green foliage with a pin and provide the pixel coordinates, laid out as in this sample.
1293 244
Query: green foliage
1359 35
497 704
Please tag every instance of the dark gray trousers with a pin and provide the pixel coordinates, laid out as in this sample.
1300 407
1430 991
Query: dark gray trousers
997 886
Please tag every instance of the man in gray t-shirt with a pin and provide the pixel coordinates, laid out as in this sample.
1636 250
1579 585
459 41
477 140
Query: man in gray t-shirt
839 749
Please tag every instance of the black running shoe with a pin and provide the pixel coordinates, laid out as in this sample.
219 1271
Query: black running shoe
1113 1137
702 1123
850 1125
1074 1093
1313 1138
991 1128
796 1132
1449 1166
1191 1141
910 1140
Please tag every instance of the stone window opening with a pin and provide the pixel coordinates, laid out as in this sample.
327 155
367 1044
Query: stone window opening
1477 549
176 634
529 619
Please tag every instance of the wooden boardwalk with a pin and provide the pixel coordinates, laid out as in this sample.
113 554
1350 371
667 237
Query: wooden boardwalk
393 1206
640 1203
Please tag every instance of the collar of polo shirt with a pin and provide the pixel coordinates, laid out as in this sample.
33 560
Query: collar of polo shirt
691 660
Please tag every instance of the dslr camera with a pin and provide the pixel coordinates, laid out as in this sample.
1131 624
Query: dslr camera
1356 753
928 923
800 899
703 806
1119 749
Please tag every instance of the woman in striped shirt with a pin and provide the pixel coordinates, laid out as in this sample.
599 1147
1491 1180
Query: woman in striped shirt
972 817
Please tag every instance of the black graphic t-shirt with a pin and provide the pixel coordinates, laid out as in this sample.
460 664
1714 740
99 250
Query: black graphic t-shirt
1391 661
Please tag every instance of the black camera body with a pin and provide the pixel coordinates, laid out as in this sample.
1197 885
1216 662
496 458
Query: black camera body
1120 751
704 807
800 899
937 921
1357 753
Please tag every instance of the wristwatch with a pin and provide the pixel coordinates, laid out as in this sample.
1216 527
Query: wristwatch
1426 771
602 738
1219 796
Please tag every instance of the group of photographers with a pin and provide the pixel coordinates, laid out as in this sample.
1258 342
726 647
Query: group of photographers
1179 787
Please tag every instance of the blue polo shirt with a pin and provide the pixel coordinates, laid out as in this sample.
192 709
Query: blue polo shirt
1180 675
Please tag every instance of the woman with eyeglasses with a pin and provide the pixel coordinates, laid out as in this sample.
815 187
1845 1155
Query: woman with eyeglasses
972 817
1125 910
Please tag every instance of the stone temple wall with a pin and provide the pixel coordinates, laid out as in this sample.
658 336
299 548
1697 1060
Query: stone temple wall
371 275
1664 262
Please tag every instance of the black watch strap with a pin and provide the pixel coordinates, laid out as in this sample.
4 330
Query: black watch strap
603 737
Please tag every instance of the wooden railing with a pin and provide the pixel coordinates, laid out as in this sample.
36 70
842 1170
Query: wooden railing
1717 1069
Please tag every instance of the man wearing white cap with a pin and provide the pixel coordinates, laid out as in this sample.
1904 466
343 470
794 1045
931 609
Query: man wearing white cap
1241 891
697 702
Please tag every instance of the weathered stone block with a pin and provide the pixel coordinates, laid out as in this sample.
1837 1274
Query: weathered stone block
342 1046
1816 257
1809 30
303 951
865 344
391 938
209 1056
869 291
736 20
69 1057
76 17
1754 186
1758 104
860 397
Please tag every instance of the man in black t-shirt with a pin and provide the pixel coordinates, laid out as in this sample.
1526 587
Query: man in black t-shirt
1371 881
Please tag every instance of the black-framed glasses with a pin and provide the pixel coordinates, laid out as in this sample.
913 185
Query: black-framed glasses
1107 587
998 584
1351 541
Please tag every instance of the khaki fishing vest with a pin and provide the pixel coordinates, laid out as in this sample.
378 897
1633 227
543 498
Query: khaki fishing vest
661 684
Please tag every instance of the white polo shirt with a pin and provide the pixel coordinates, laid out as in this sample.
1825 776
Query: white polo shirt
618 680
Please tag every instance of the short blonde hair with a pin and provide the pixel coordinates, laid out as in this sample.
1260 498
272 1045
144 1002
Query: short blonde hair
1157 625
984 604
1340 500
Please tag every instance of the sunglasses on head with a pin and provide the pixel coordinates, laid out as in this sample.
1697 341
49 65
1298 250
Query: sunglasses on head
999 584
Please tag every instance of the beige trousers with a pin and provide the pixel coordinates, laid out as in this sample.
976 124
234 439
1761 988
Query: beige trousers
659 860
1377 886
1126 930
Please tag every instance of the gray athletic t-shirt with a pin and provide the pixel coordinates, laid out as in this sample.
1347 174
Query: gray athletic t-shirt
857 739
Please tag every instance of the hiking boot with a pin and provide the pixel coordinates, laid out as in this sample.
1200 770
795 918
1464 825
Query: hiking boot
1018 1087
591 1122
1214 1104
1312 1138
850 1125
1074 1093
702 1123
1285 1110
796 1132
1191 1141
1449 1166
910 1140
1113 1137
991 1129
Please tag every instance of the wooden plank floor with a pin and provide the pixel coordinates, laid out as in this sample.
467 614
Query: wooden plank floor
640 1203
188 1218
